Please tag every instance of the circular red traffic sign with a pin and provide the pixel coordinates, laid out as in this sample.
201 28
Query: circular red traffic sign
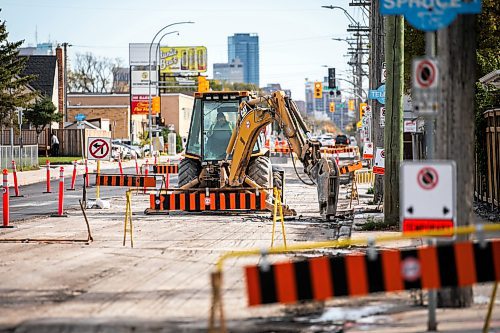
382 154
426 73
427 178
99 149
410 269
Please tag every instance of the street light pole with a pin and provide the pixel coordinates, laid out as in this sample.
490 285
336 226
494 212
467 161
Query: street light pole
150 113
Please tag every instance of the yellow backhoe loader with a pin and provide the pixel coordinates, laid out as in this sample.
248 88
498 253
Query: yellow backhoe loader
227 167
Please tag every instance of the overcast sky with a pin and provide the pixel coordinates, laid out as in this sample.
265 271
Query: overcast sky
295 35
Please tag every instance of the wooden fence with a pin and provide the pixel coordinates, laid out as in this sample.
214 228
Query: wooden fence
487 186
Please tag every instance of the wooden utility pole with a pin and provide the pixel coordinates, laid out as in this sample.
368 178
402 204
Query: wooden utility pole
376 60
393 138
455 124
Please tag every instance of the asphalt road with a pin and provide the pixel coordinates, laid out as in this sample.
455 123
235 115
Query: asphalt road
35 202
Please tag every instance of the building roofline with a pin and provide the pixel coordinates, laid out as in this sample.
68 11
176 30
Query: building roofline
98 106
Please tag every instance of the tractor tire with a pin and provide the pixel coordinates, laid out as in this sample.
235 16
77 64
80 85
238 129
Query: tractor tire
259 170
188 170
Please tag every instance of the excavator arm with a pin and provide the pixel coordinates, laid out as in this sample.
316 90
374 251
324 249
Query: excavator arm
260 112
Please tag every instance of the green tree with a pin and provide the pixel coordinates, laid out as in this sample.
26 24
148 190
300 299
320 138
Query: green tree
14 92
41 114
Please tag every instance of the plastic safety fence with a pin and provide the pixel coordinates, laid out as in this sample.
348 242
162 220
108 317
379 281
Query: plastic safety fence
125 180
165 168
281 149
364 177
339 150
215 201
321 278
350 168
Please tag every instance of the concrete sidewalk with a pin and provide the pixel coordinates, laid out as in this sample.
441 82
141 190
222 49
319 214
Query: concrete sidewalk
38 176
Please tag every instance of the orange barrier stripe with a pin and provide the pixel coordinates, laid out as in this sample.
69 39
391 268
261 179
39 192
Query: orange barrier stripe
232 201
222 199
152 201
242 201
149 181
192 200
285 288
464 260
320 278
356 275
495 246
391 264
252 201
262 200
429 267
253 285
212 201
182 201
172 200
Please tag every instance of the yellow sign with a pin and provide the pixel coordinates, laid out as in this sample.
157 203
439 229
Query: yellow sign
332 106
155 105
203 84
318 90
359 124
362 107
183 59
350 105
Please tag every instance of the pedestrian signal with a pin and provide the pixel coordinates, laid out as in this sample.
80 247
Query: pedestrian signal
332 106
318 90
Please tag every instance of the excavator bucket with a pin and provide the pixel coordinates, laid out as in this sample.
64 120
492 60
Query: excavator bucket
327 181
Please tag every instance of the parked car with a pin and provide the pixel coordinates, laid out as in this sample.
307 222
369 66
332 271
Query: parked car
129 149
342 139
327 140
353 141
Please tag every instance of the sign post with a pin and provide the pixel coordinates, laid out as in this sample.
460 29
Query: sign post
99 149
428 195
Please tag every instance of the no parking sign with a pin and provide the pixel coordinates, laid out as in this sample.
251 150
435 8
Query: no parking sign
428 195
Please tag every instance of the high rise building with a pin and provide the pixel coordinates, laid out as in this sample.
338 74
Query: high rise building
246 48
231 72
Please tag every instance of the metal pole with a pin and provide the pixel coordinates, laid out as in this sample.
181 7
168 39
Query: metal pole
430 50
150 115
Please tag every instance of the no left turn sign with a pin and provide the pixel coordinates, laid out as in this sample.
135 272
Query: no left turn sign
99 149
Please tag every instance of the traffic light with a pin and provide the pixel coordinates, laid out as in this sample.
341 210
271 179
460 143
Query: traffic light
318 90
203 84
331 78
332 106
351 105
362 107
155 105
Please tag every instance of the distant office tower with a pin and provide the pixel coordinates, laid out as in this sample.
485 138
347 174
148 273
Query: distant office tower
246 48
231 72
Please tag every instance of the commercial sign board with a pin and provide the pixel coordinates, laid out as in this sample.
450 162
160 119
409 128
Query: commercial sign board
139 54
430 15
140 105
378 94
183 59
428 195
140 82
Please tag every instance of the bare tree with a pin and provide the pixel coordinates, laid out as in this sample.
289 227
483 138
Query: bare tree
92 74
